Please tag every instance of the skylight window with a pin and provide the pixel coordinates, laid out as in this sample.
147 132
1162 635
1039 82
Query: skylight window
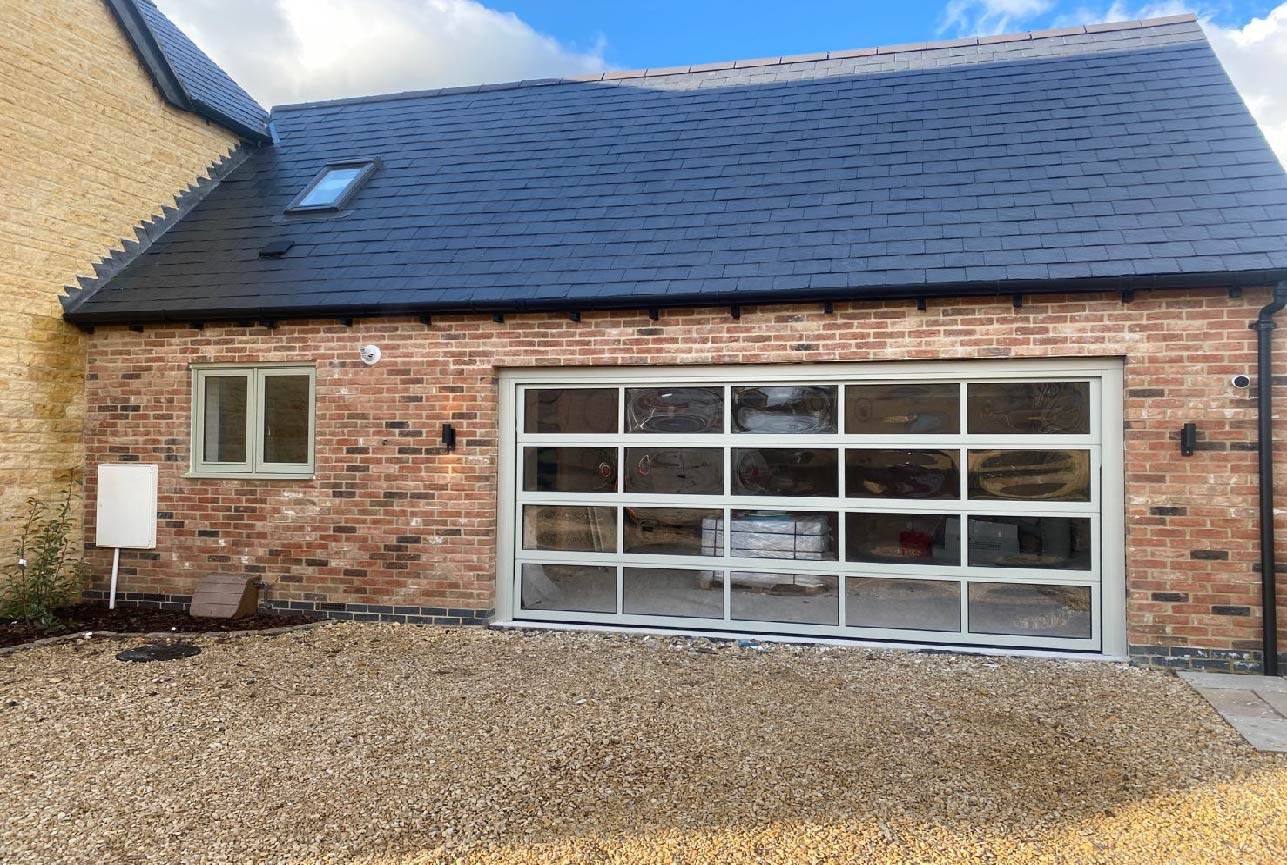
333 186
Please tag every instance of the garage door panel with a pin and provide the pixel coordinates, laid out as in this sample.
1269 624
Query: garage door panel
963 510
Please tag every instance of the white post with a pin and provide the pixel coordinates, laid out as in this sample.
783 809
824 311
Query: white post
116 566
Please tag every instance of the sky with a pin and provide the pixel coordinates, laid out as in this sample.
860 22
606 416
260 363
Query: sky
286 51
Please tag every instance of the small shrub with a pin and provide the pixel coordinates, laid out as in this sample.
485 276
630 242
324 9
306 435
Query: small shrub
47 575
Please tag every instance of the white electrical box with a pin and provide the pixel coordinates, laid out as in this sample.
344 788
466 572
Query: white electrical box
126 506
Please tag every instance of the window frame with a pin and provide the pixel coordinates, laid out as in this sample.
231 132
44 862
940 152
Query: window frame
253 466
367 166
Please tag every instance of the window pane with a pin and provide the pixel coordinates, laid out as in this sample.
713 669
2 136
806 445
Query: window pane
907 539
570 410
574 528
1039 611
784 535
673 592
224 424
890 409
1052 476
766 597
684 471
331 186
286 411
674 531
570 470
574 588
1029 408
902 474
675 410
784 409
785 472
920 605
1030 542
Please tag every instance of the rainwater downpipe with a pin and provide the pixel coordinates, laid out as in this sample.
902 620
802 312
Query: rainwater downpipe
1264 326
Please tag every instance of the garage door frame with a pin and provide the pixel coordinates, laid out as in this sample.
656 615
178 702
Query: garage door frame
1106 418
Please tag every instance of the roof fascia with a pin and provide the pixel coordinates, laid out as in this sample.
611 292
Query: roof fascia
1127 286
129 18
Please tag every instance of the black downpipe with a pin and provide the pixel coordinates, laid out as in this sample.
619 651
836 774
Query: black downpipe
1264 326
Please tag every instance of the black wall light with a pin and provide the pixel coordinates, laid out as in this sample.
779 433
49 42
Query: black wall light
1188 439
449 437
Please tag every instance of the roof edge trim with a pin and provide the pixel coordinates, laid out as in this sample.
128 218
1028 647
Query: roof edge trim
143 40
145 44
995 288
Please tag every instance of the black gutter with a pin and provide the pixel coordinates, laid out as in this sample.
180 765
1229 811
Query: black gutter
1264 326
920 291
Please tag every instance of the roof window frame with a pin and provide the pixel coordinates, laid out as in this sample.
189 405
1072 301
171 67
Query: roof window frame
367 164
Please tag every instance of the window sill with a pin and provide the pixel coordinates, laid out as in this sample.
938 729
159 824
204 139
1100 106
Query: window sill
247 476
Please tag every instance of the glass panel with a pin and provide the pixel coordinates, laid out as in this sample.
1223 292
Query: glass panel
685 471
331 186
783 535
1030 542
573 588
674 531
286 410
570 410
810 599
570 470
1038 611
1029 407
891 409
574 528
782 409
919 605
1050 476
673 592
675 410
224 424
785 472
905 539
901 474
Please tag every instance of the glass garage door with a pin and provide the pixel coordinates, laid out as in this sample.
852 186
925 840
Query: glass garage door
944 509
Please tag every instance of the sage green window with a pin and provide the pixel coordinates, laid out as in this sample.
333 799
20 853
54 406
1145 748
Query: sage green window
253 421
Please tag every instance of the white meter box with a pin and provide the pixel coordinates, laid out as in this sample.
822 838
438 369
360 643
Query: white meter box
126 506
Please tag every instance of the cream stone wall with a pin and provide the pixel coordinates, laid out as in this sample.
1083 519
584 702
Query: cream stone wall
87 150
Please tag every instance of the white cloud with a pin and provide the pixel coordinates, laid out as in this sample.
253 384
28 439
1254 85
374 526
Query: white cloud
1256 57
298 50
988 17
1119 11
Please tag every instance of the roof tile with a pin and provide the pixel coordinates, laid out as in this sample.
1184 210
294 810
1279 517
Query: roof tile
1058 157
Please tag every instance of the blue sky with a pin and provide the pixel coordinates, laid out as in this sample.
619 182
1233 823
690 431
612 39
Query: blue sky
286 51
673 32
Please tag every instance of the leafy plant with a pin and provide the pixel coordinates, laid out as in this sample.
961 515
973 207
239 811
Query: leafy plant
47 575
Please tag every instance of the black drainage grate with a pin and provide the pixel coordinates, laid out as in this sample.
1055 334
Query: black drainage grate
159 652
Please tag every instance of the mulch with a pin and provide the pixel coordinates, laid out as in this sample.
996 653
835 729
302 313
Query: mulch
97 617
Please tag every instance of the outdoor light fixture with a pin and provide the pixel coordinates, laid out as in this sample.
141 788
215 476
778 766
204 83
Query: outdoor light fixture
449 437
1188 439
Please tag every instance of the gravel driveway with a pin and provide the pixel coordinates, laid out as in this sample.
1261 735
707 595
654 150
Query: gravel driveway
401 744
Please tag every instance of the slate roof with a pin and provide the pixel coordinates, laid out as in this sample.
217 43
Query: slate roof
186 77
1108 157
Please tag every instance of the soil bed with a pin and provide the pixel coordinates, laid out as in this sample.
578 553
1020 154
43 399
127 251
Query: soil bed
143 620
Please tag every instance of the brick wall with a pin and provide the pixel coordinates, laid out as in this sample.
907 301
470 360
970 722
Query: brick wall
89 151
393 520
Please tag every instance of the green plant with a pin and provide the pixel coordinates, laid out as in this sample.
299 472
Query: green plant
47 575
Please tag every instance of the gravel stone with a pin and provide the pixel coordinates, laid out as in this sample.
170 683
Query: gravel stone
396 744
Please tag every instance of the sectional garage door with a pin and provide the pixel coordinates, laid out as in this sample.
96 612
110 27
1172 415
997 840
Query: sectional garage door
961 504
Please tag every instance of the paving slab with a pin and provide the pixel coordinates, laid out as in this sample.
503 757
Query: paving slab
1255 706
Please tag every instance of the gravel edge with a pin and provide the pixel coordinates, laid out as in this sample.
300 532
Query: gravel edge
187 635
